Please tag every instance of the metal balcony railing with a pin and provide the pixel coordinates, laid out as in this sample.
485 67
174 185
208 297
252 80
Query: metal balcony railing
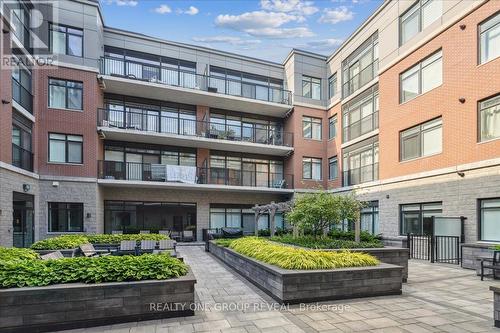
153 121
360 127
22 96
214 176
360 175
189 79
359 80
22 158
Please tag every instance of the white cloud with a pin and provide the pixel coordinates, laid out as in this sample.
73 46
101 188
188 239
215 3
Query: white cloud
299 32
192 10
299 7
227 40
336 15
163 9
328 44
130 3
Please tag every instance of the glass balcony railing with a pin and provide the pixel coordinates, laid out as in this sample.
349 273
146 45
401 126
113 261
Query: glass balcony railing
22 96
188 79
360 175
360 127
359 80
152 121
113 170
22 158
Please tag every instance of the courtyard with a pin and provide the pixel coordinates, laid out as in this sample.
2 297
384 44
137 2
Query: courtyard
437 298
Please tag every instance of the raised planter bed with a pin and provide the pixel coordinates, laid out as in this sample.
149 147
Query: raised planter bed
471 253
78 305
496 305
297 286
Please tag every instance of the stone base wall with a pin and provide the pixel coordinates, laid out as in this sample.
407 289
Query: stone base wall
295 286
471 253
77 305
496 305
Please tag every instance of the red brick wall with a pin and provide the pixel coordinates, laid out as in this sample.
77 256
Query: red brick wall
462 77
5 109
68 122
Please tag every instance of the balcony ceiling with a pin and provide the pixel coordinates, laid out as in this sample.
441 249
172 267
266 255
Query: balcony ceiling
144 89
192 141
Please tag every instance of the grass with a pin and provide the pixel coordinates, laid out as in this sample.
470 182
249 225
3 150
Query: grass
294 258
325 242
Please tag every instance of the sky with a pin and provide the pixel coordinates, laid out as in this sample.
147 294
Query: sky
265 29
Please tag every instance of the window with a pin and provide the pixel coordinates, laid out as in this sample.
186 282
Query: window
311 128
332 127
360 165
333 168
360 115
311 168
422 77
65 148
65 217
422 140
369 218
489 119
66 40
21 86
241 217
417 218
332 86
311 87
65 94
489 36
418 17
489 218
22 156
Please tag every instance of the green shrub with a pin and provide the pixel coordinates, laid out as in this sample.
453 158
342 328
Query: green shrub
224 242
33 273
365 236
14 254
294 258
278 232
73 241
326 242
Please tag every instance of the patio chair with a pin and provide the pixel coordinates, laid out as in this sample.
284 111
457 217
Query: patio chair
144 232
164 232
176 235
129 247
52 255
117 232
88 250
493 264
187 236
148 245
167 245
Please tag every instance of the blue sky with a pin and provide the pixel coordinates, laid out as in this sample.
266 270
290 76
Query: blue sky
265 29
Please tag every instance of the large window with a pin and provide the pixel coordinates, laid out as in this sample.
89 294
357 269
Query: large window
369 218
311 128
64 94
311 87
417 218
66 40
422 140
241 217
65 217
65 148
489 119
22 156
333 168
311 168
332 86
360 165
332 127
489 218
489 35
360 115
21 86
422 77
418 17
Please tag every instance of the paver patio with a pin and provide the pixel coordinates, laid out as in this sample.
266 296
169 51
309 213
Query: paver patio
437 298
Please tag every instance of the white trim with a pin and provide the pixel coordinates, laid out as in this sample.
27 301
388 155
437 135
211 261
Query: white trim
15 169
311 106
361 89
360 138
334 101
23 111
75 66
68 179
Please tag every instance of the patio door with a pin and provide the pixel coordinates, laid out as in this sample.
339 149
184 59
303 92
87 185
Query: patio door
23 220
134 166
248 222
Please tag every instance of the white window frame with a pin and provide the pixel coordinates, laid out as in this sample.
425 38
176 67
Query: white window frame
417 70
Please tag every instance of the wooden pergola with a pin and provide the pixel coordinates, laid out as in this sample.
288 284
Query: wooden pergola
272 209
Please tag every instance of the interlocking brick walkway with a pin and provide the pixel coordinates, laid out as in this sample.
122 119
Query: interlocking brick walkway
437 298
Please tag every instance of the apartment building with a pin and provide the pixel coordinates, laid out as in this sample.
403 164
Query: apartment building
128 132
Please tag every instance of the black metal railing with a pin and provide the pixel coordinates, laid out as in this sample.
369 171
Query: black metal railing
22 158
360 175
190 79
359 80
21 31
113 170
360 127
22 96
153 121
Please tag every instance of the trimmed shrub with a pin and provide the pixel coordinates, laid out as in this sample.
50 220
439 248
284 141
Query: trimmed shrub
294 258
224 242
326 242
14 254
74 241
35 273
365 236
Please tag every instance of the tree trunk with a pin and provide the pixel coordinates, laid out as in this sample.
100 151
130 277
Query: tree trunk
357 229
272 223
256 223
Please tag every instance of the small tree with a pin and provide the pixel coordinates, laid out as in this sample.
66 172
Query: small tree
350 209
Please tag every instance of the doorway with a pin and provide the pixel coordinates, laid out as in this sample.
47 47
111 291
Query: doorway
23 219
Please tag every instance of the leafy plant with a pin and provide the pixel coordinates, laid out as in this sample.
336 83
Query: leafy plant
349 235
295 258
326 242
34 272
224 242
267 232
117 238
73 241
15 254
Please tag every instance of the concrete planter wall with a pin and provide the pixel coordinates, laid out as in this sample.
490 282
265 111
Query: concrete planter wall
496 305
78 305
296 286
471 252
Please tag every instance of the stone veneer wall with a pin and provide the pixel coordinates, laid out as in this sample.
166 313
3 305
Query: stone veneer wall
496 305
471 253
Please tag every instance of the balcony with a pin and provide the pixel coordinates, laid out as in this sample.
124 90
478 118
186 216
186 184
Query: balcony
149 126
22 158
22 96
358 128
356 82
360 175
113 173
135 78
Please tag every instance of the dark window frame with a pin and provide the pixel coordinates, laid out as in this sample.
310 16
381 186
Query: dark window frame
67 208
66 95
311 162
330 161
420 212
479 119
480 210
332 88
309 79
311 122
332 121
479 33
66 37
420 133
66 152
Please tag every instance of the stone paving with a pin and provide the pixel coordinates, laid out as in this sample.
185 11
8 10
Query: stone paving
437 298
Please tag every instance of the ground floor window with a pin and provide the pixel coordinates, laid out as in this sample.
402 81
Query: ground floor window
65 217
417 218
369 219
131 217
489 220
242 217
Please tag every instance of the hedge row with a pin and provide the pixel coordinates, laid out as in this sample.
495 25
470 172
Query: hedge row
74 241
326 242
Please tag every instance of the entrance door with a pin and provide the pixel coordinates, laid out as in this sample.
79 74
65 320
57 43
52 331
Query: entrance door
23 220
248 223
